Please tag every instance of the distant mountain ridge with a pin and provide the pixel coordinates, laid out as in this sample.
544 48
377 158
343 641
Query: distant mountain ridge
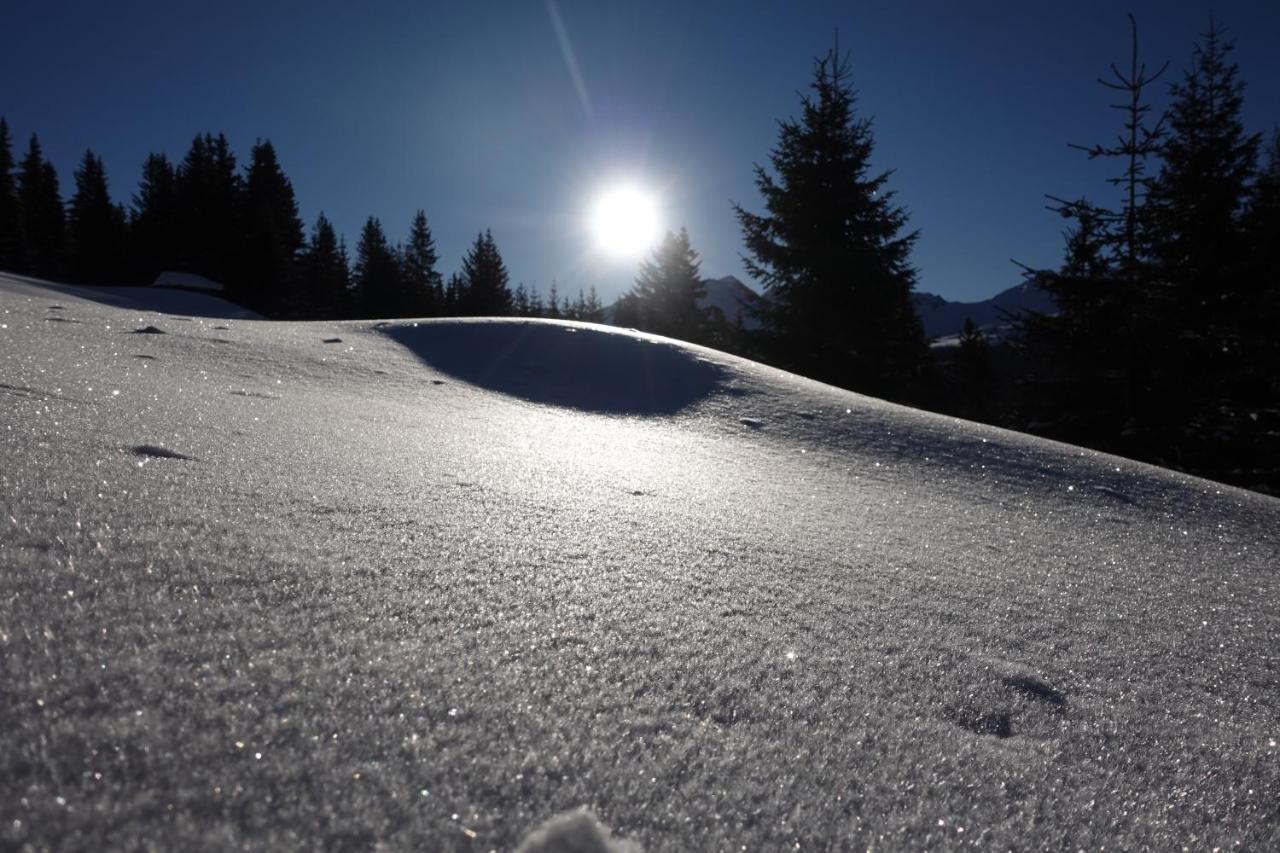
940 317
943 318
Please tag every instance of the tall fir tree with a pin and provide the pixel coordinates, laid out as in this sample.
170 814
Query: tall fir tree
668 291
485 274
455 295
1199 197
209 212
10 207
325 278
43 217
592 308
831 252
1200 248
520 301
273 236
97 228
1095 359
423 284
151 221
553 303
377 274
1262 236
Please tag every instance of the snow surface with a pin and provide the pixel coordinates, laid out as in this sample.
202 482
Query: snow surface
168 300
427 585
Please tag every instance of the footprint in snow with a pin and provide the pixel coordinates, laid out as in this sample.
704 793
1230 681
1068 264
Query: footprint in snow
155 451
1034 688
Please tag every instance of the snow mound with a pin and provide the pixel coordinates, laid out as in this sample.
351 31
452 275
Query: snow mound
164 300
575 365
577 831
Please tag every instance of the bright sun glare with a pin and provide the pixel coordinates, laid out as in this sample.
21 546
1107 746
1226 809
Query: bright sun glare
625 222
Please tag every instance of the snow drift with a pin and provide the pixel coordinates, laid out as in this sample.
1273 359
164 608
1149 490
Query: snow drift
576 365
357 585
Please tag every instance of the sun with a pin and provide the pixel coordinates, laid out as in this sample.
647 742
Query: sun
625 222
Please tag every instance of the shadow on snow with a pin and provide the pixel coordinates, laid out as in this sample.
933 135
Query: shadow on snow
578 367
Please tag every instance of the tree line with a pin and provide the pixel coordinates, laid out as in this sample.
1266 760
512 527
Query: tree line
241 228
1163 347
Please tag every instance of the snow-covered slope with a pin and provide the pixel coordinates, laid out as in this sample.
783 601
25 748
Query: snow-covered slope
186 300
357 585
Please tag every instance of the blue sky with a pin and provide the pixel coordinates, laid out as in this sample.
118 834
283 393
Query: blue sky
470 111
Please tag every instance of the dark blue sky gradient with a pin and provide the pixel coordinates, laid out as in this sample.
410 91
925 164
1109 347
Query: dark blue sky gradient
468 110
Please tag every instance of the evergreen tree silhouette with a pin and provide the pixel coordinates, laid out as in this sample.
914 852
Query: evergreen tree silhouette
208 219
96 227
973 363
520 301
830 252
152 232
43 217
455 295
273 236
1199 197
592 308
626 312
668 290
536 306
1097 357
553 304
10 208
424 288
487 294
1199 242
325 276
377 274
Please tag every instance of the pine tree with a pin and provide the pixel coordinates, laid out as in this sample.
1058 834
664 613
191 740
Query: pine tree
536 306
1199 197
1262 235
1200 247
273 235
43 217
830 252
96 227
377 274
1096 356
424 290
975 376
487 294
151 227
325 276
592 309
553 303
668 291
455 295
626 312
520 301
209 213
10 208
